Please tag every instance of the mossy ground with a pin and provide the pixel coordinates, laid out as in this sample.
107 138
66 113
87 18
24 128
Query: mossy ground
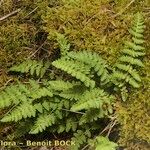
98 25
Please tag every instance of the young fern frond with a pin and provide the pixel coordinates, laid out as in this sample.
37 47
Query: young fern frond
94 60
125 70
63 44
32 66
43 121
76 69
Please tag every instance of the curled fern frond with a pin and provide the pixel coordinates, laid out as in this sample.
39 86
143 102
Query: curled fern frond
76 69
32 66
43 121
94 60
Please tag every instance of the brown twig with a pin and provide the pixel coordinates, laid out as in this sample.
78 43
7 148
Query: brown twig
111 127
31 12
10 14
37 50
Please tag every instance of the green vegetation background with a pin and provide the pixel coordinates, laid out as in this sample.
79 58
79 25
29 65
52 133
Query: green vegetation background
98 25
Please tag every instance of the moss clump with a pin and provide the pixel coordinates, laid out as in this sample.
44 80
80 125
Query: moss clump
135 118
87 24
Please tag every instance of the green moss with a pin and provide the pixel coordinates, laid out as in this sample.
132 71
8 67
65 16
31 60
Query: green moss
135 118
87 25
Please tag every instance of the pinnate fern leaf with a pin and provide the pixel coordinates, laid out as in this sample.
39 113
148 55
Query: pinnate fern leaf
94 98
63 44
32 66
103 143
24 110
79 139
125 70
60 85
94 60
43 121
76 69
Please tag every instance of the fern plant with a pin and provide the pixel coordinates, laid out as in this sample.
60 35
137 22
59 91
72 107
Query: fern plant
125 70
32 66
52 103
77 103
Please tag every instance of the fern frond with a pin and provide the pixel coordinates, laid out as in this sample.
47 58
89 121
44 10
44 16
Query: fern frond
134 46
132 61
130 70
37 91
132 53
46 105
18 93
22 111
74 93
63 44
95 98
137 41
43 121
68 124
136 34
79 139
60 85
126 68
138 26
120 78
76 69
94 60
92 115
32 66
103 143
11 95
